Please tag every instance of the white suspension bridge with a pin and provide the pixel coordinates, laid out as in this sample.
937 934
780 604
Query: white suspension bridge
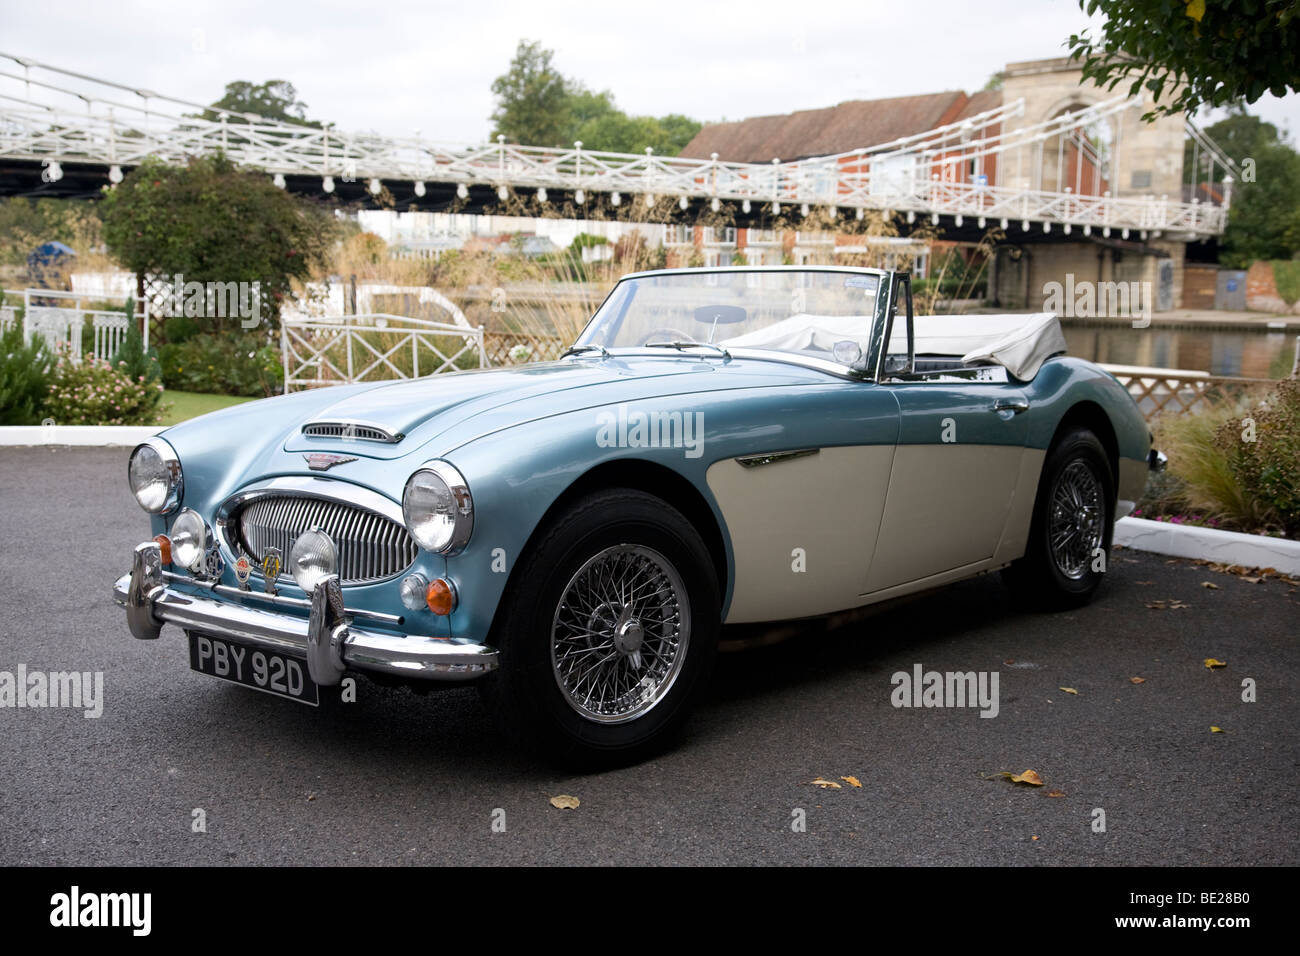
67 133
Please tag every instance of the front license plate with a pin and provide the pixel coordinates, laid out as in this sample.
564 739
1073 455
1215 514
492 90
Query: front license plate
261 670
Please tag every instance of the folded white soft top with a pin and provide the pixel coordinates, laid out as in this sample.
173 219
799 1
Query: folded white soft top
1020 343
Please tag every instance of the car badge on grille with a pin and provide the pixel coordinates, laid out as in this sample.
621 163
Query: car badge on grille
321 461
213 564
271 564
243 571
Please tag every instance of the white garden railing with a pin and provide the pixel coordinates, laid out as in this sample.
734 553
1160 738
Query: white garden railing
63 326
340 350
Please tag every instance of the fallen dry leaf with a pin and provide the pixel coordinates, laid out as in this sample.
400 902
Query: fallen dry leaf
1251 580
1211 663
1137 680
1167 604
1216 730
826 784
852 781
1055 793
565 802
1029 776
1210 584
1068 690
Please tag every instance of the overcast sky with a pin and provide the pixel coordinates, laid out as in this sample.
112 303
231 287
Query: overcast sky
395 67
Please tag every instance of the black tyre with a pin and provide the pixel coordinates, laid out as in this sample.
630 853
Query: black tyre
607 633
1070 535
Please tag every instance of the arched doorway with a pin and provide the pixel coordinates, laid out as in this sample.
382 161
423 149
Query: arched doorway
1080 158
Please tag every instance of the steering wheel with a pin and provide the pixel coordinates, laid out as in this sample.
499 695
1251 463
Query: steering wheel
665 334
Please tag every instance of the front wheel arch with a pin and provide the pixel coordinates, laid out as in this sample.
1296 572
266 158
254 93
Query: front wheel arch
653 479
1091 416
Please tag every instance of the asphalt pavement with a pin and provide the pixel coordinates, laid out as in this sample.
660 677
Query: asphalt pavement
406 779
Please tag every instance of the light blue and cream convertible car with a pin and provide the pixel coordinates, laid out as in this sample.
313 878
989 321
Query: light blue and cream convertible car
719 446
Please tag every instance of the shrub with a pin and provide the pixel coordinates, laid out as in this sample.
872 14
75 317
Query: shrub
96 392
134 361
25 370
1235 461
1263 452
227 364
1286 276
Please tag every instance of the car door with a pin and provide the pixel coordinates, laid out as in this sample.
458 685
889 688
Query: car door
958 467
803 504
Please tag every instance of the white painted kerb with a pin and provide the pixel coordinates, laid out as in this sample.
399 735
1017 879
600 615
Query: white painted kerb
85 435
1210 544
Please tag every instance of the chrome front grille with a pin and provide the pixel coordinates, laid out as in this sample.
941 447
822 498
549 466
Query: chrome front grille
370 545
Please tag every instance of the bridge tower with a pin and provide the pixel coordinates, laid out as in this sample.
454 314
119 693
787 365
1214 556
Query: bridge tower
1118 155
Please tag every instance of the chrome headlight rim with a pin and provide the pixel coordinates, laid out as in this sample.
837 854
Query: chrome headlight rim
175 479
202 533
462 511
308 578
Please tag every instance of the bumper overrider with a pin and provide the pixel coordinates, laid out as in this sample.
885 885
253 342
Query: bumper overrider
328 640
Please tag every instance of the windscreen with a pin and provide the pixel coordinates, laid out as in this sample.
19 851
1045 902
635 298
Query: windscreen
784 310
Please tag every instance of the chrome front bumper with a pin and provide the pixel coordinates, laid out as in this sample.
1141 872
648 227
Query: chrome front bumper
328 640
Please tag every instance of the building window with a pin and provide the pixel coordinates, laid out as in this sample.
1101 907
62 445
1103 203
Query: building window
679 235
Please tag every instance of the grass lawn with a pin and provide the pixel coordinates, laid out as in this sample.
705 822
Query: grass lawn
187 405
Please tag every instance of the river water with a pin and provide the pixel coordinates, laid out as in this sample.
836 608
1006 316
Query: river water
1248 353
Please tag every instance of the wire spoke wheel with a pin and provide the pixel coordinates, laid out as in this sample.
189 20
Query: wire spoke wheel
620 634
1075 529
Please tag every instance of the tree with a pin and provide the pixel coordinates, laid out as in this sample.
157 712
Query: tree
538 106
1204 53
209 221
533 100
1264 220
26 223
275 100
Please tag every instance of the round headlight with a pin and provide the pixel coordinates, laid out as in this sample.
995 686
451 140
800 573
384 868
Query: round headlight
154 474
189 537
438 509
312 559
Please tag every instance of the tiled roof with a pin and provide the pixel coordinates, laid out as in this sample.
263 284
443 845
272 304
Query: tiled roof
835 129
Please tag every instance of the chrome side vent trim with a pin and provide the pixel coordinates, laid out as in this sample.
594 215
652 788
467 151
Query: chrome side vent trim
754 461
350 431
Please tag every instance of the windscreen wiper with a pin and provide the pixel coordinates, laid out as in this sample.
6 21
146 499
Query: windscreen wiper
688 345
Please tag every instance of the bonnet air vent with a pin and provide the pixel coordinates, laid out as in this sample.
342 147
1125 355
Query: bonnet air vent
350 431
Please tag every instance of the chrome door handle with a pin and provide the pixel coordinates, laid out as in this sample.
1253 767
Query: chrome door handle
1016 405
